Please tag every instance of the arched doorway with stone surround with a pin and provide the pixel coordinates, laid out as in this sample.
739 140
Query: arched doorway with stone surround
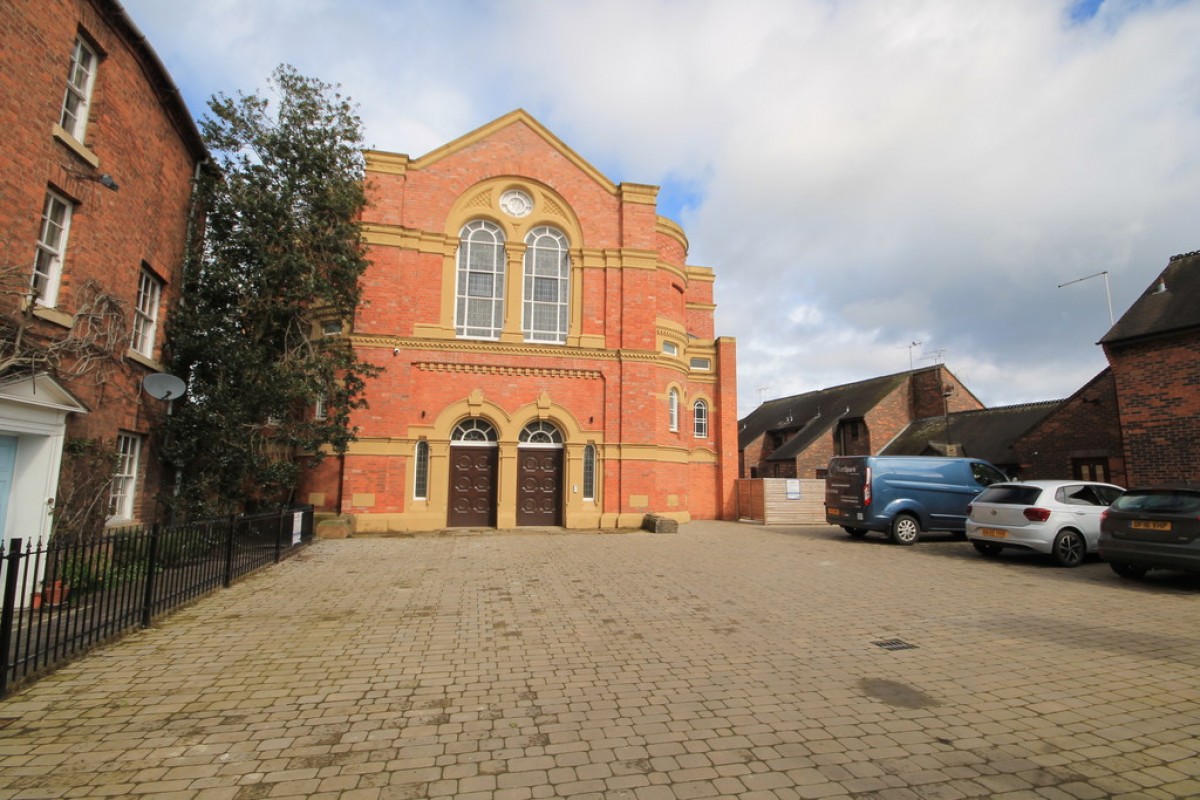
540 475
474 469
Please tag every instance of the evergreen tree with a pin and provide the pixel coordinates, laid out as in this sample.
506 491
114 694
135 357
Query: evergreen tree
281 251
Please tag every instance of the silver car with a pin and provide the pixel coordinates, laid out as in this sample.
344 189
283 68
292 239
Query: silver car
1059 518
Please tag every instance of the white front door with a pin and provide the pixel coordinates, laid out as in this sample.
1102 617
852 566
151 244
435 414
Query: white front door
8 457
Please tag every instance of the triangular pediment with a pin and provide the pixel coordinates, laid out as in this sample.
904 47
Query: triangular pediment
517 117
40 390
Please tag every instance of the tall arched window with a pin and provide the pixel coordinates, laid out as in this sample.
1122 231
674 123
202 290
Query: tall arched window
479 308
589 472
421 471
700 419
547 291
673 409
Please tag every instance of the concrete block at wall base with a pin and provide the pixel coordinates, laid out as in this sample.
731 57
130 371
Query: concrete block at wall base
656 523
335 528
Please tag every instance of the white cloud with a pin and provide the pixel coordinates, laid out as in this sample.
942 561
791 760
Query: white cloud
860 173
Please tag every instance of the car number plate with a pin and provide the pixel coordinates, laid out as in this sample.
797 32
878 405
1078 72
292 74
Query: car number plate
1149 525
994 533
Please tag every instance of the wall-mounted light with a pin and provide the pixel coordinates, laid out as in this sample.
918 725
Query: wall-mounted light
104 179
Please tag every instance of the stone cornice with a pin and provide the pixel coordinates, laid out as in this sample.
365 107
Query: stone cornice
639 193
385 162
669 227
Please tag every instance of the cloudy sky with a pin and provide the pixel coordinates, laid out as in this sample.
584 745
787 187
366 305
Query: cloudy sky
862 174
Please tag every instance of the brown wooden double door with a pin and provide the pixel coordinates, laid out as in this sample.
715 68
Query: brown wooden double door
539 487
472 487
473 479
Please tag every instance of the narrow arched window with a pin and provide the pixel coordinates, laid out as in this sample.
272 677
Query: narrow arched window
479 296
673 409
547 289
589 472
700 419
421 471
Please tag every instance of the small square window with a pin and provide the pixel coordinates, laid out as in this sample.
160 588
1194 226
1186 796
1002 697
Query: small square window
701 364
670 348
331 327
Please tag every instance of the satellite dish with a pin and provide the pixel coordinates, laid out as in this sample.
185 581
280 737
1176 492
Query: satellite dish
162 386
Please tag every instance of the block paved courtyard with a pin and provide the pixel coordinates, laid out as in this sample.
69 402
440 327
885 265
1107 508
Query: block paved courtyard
723 661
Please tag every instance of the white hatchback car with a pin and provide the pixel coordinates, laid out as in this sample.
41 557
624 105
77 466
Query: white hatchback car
1060 518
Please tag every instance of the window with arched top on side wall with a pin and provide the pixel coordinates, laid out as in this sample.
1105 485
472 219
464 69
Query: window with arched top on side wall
589 472
421 471
546 307
540 433
673 409
479 288
700 419
474 430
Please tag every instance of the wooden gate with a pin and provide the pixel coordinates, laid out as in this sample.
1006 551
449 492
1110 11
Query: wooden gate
539 489
472 487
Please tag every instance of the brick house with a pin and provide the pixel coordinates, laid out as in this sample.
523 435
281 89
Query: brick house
1080 438
549 355
1153 353
987 433
95 196
794 437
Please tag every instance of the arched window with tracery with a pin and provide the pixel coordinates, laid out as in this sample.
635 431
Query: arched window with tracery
473 430
540 433
547 286
479 294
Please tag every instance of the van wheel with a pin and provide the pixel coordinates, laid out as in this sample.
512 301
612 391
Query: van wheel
857 533
906 529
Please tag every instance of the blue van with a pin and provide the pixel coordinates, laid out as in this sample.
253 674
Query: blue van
903 496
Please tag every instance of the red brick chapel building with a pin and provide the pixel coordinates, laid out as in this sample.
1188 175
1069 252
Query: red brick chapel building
549 355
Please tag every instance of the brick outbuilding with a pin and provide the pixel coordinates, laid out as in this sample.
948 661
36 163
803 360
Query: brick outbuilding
549 355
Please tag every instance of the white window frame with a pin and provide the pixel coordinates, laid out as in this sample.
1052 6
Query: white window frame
421 471
51 248
81 80
700 419
670 348
321 408
145 314
331 327
589 473
673 410
124 481
475 264
701 364
547 286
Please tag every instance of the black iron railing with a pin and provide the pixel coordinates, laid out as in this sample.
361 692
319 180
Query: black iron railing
59 600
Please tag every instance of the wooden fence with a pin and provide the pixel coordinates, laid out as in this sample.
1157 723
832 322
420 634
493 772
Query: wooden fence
781 501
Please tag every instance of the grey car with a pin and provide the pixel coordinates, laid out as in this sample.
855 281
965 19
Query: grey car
1149 528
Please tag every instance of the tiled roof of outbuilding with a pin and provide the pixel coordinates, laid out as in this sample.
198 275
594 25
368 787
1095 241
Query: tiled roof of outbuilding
987 433
814 413
1171 304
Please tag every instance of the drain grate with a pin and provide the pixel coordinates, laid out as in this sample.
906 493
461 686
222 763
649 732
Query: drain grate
894 644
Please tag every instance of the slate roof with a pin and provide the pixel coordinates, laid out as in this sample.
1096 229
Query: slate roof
987 433
1171 304
815 413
